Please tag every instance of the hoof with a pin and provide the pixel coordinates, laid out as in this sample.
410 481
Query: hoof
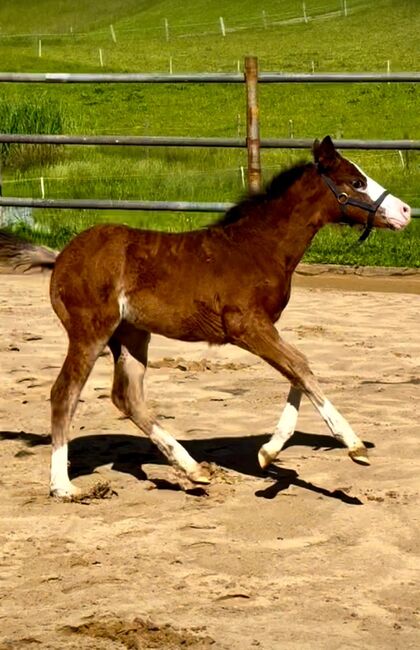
201 474
265 458
359 455
65 493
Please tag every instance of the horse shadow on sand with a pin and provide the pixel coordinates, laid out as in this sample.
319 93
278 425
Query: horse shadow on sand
128 453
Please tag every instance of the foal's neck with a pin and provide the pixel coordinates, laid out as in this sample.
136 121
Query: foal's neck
282 227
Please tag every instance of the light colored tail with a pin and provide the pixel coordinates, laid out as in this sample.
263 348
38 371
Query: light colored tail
20 254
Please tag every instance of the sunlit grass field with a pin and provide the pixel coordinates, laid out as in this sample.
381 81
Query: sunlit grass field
373 36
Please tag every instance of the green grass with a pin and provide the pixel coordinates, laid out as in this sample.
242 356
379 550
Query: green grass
34 115
370 36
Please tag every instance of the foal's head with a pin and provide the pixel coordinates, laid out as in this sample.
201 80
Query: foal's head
361 200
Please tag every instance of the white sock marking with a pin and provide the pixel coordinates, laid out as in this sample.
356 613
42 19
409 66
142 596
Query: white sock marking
286 424
60 481
172 449
339 426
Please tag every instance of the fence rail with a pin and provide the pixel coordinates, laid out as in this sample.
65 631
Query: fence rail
232 143
252 77
206 77
148 206
108 204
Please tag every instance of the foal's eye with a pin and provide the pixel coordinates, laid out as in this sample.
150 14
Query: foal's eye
357 184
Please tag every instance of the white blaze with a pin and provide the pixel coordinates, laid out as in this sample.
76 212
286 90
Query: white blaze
396 213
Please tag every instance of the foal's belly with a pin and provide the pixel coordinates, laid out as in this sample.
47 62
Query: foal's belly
187 318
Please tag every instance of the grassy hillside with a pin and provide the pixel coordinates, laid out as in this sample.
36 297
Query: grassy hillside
72 33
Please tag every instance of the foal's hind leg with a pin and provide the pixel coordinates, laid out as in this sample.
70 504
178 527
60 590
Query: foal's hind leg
65 393
129 348
260 337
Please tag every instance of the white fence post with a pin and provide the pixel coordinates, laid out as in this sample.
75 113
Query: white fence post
222 26
264 19
113 34
243 176
101 59
166 29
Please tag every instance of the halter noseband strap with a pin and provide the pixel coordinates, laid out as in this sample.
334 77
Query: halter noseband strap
344 199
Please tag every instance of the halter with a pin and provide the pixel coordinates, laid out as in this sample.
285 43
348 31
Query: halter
344 199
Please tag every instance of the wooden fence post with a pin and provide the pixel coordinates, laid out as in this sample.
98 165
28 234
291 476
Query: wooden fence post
1 194
253 126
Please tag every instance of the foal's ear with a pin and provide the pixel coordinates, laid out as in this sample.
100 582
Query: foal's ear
325 154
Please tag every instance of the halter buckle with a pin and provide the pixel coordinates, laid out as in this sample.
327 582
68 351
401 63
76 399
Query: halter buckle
342 198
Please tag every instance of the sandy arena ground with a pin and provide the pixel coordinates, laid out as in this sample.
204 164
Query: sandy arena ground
318 553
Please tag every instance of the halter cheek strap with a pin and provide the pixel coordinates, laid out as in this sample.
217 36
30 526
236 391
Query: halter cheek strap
344 199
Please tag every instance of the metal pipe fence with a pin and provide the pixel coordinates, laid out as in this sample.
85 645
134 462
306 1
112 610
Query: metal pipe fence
252 77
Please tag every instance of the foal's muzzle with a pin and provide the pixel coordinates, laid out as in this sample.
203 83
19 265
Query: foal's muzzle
344 200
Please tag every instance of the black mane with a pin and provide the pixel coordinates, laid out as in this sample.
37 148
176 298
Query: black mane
275 188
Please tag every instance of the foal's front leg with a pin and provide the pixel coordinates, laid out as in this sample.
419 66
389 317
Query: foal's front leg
284 430
260 337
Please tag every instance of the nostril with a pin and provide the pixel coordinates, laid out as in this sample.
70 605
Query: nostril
406 209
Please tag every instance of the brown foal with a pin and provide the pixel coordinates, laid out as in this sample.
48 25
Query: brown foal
227 283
